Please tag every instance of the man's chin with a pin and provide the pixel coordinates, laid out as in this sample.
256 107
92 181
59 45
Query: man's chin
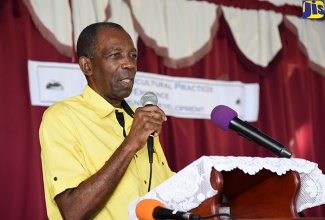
126 94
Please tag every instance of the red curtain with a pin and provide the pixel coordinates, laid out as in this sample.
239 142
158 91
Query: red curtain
291 107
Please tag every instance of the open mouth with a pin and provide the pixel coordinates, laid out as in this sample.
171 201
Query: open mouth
127 82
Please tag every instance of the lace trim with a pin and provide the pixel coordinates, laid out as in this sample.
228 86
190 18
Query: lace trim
191 186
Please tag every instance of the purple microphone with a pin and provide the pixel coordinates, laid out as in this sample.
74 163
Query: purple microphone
226 118
222 116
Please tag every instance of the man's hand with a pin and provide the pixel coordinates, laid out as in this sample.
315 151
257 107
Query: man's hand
147 120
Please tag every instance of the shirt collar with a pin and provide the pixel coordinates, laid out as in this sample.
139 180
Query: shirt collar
97 102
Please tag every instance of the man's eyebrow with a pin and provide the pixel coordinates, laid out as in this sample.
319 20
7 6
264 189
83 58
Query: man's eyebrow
111 49
114 49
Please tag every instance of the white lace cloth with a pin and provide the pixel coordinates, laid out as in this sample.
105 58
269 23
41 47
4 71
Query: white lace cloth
191 186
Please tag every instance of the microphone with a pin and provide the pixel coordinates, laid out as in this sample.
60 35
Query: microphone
226 118
149 98
150 209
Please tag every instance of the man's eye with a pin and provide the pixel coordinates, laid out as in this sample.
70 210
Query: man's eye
115 55
134 56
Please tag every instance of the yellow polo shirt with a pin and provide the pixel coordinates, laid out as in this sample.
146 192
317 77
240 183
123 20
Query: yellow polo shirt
77 136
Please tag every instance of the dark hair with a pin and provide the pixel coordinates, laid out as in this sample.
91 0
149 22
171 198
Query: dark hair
86 44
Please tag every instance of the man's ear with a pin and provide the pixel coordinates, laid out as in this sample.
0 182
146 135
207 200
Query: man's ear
85 65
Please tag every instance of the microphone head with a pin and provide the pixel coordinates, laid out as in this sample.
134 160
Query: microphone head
222 115
145 208
149 98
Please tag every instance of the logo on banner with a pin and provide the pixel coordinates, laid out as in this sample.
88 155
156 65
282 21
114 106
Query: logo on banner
313 9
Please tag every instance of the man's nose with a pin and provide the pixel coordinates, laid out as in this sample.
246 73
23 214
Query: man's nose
129 63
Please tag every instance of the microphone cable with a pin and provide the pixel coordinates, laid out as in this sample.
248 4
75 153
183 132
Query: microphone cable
150 153
150 176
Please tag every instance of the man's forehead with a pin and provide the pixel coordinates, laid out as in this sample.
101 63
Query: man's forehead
116 41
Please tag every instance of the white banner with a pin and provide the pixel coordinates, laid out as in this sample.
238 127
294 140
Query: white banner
182 97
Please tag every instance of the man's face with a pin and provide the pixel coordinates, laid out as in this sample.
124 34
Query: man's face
114 66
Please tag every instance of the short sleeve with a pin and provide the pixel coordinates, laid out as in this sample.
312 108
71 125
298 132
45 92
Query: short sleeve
62 158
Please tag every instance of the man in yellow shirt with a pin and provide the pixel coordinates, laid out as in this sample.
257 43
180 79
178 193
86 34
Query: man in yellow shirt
94 166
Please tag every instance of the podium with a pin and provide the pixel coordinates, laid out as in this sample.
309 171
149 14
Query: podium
245 187
264 195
